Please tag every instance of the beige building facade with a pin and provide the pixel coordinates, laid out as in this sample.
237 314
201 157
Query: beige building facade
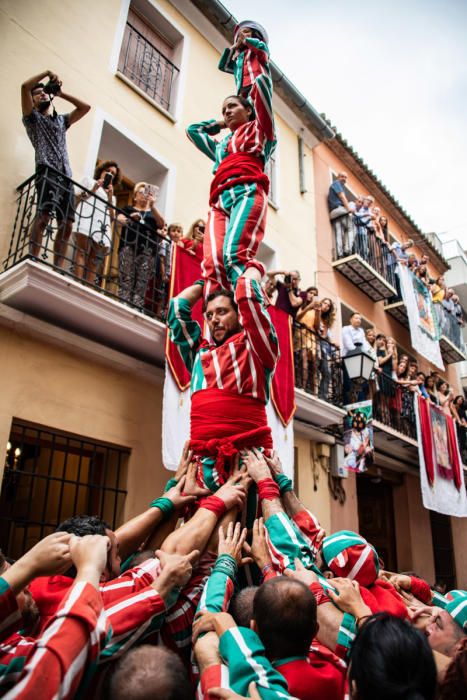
82 373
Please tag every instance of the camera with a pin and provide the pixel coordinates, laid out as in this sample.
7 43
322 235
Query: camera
288 279
107 180
52 88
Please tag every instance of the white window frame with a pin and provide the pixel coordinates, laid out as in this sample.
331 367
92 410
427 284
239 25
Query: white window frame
274 189
167 192
181 55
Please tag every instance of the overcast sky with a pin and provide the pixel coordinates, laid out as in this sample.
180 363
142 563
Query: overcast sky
392 77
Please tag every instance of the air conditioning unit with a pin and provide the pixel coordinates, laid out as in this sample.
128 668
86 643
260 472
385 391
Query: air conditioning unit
338 467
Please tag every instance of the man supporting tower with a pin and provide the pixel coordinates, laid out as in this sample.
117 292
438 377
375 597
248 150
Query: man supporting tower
230 375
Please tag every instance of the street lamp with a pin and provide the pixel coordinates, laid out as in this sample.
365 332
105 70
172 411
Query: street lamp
358 364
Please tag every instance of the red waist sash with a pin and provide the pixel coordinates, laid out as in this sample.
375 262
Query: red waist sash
238 168
223 422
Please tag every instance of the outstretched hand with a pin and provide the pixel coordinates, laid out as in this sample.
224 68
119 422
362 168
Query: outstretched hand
300 573
185 461
259 549
232 541
178 496
256 464
191 487
212 622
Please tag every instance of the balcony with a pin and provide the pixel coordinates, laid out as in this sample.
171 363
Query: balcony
318 377
363 258
396 308
85 285
451 341
147 68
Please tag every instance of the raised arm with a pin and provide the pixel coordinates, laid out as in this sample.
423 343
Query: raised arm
184 331
254 317
201 135
81 108
261 96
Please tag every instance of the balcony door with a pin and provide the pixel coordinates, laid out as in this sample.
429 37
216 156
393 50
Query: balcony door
376 517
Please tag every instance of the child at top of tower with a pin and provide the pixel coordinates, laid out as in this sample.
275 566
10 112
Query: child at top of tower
248 57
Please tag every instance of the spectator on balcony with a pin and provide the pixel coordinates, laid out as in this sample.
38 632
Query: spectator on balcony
412 262
193 241
363 221
386 354
459 413
458 320
368 389
175 233
449 320
421 389
47 132
430 386
269 288
445 396
92 230
339 210
327 348
289 296
383 222
421 271
306 340
401 257
438 292
138 244
353 335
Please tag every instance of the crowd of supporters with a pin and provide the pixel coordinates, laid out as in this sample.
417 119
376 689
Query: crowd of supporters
228 604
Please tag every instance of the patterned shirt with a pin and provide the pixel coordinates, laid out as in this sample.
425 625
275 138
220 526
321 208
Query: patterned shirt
245 363
47 134
257 137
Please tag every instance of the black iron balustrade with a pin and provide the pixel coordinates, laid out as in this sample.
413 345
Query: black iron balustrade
147 67
393 405
318 367
118 256
449 326
353 237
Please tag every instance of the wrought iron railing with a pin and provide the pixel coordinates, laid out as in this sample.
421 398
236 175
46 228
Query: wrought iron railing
62 224
352 236
147 67
393 405
449 326
318 368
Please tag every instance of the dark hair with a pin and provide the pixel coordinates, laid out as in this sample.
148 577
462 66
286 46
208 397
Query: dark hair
241 606
101 167
221 293
454 684
380 335
391 660
421 374
459 396
37 86
440 384
285 613
147 672
244 102
82 525
355 313
329 315
310 289
2 562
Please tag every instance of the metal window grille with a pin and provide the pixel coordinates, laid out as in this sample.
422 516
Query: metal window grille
353 237
50 476
318 368
147 67
393 405
115 255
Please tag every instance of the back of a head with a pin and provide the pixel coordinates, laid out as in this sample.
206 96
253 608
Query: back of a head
148 672
82 525
391 660
241 606
454 684
285 614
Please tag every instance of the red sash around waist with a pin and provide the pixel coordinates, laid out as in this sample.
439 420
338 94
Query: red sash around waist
238 168
223 422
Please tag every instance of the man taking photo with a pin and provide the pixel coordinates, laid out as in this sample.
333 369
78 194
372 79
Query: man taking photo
47 132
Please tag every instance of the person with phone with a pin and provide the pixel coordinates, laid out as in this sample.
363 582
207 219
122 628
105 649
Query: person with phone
239 190
47 132
93 223
139 243
193 242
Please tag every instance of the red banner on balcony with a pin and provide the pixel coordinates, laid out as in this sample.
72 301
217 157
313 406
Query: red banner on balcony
441 474
186 269
283 381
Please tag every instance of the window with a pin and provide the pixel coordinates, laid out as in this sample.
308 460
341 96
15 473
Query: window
271 171
49 476
150 54
443 551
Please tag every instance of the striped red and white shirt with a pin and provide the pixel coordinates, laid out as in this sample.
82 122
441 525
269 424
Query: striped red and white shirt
245 363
